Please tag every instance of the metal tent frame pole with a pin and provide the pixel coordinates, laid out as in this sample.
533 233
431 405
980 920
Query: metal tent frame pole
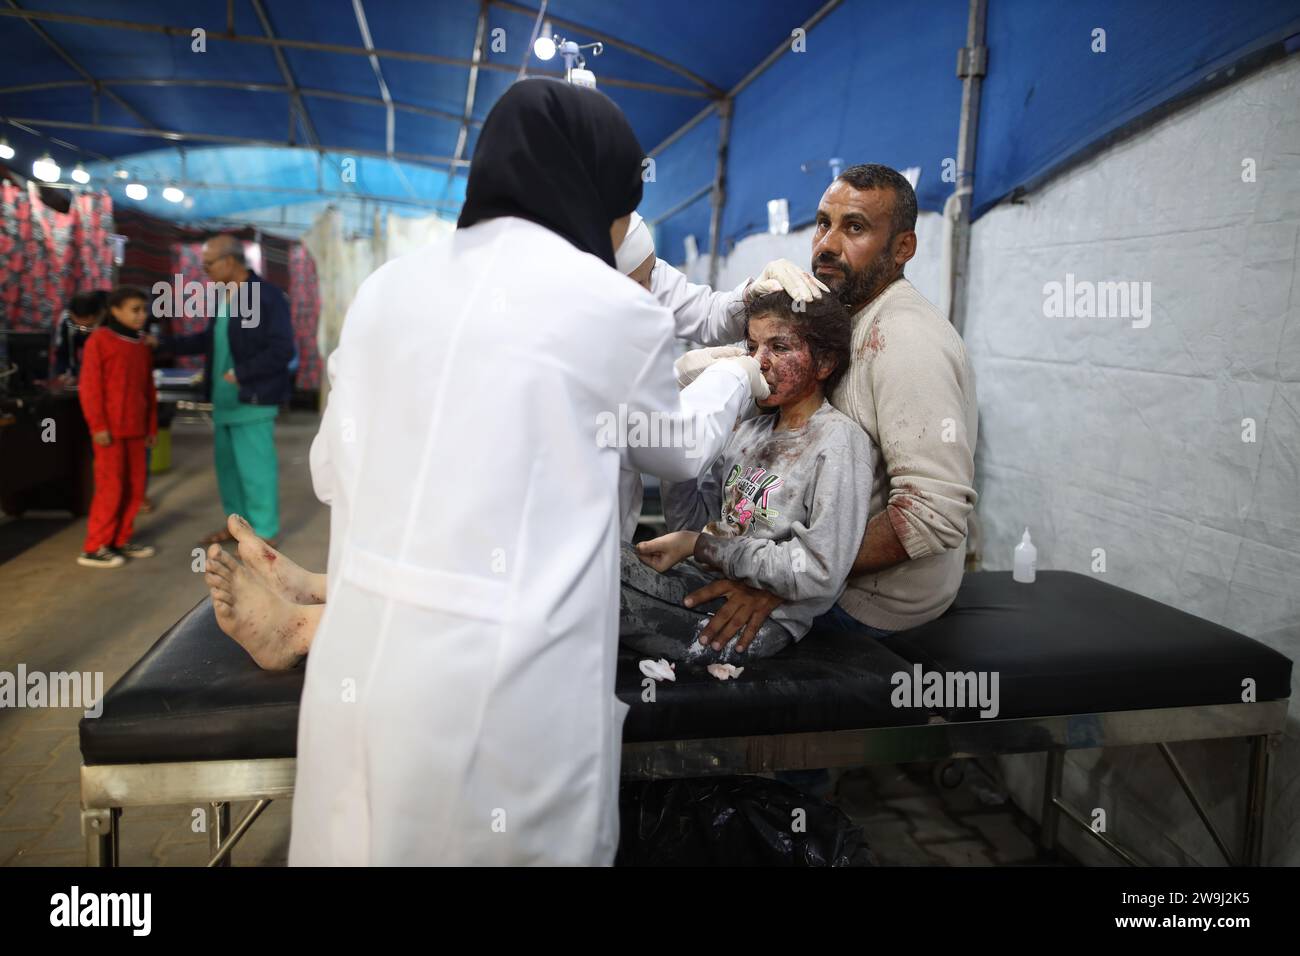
719 189
724 105
972 64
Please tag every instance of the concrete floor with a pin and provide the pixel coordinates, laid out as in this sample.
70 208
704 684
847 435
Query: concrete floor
58 616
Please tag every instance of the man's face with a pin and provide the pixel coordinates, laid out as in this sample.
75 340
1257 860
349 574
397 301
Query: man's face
131 313
784 359
218 263
853 251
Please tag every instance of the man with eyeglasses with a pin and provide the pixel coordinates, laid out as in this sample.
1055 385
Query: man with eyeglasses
248 345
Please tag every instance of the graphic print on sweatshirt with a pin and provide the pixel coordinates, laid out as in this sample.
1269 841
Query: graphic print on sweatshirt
746 496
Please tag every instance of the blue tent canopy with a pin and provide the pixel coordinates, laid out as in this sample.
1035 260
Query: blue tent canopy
281 110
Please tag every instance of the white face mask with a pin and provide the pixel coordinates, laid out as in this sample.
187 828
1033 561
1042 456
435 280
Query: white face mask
637 246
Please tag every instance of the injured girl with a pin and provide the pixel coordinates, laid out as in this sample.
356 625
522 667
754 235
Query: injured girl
788 498
785 504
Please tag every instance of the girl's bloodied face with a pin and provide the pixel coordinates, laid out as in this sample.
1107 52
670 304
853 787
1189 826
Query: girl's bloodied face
785 359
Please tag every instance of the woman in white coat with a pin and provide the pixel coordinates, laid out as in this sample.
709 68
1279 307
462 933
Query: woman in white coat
459 703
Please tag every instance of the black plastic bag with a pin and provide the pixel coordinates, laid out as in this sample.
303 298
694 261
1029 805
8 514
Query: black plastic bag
733 821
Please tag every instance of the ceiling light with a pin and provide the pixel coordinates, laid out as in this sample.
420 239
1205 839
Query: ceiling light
80 175
544 45
46 169
137 191
173 194
6 151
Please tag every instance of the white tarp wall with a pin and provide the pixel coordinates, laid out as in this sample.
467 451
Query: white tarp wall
343 263
1097 434
1138 441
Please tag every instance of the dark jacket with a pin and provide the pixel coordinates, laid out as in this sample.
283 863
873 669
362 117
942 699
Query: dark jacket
72 339
261 353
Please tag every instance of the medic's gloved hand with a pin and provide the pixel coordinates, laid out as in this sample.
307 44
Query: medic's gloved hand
784 274
690 365
757 384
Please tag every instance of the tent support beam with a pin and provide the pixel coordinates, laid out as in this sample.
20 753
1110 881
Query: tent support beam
66 57
719 184
277 190
37 16
692 198
390 131
471 88
295 97
390 118
238 85
176 136
719 189
972 64
480 34
608 40
53 139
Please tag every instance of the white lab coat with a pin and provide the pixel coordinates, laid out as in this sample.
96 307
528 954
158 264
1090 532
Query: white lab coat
459 699
699 315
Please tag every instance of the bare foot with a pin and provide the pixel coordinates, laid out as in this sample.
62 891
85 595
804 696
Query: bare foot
276 633
291 581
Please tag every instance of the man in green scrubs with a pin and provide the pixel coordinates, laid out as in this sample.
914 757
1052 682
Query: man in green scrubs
249 345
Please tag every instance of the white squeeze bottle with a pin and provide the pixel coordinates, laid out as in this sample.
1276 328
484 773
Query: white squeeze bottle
1025 560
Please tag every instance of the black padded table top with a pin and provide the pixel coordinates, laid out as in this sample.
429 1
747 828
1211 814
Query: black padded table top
830 680
1066 644
195 695
1071 644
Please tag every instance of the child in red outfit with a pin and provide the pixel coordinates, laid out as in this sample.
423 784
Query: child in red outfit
121 407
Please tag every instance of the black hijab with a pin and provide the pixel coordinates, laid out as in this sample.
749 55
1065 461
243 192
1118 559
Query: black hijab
558 155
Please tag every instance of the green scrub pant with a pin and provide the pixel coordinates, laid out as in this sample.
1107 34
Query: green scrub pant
248 474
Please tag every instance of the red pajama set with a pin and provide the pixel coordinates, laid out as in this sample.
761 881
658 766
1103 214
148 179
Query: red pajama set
117 396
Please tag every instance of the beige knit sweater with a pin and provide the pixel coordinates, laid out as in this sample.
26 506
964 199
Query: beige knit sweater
911 388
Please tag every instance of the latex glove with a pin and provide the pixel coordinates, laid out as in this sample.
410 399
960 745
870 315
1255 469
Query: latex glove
783 274
690 365
757 384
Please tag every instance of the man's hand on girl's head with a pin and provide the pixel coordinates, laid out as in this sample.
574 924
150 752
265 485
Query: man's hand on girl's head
782 274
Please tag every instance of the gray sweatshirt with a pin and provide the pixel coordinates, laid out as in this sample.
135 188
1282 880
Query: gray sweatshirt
783 510
911 387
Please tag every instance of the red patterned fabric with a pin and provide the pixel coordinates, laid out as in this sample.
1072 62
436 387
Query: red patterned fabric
47 256
304 303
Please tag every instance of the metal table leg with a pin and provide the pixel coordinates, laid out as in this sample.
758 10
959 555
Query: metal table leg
1051 794
218 830
100 828
1261 748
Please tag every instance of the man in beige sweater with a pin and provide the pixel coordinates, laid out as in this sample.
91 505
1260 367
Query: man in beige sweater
910 387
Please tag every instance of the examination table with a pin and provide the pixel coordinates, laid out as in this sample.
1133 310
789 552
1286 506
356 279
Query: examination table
1080 664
